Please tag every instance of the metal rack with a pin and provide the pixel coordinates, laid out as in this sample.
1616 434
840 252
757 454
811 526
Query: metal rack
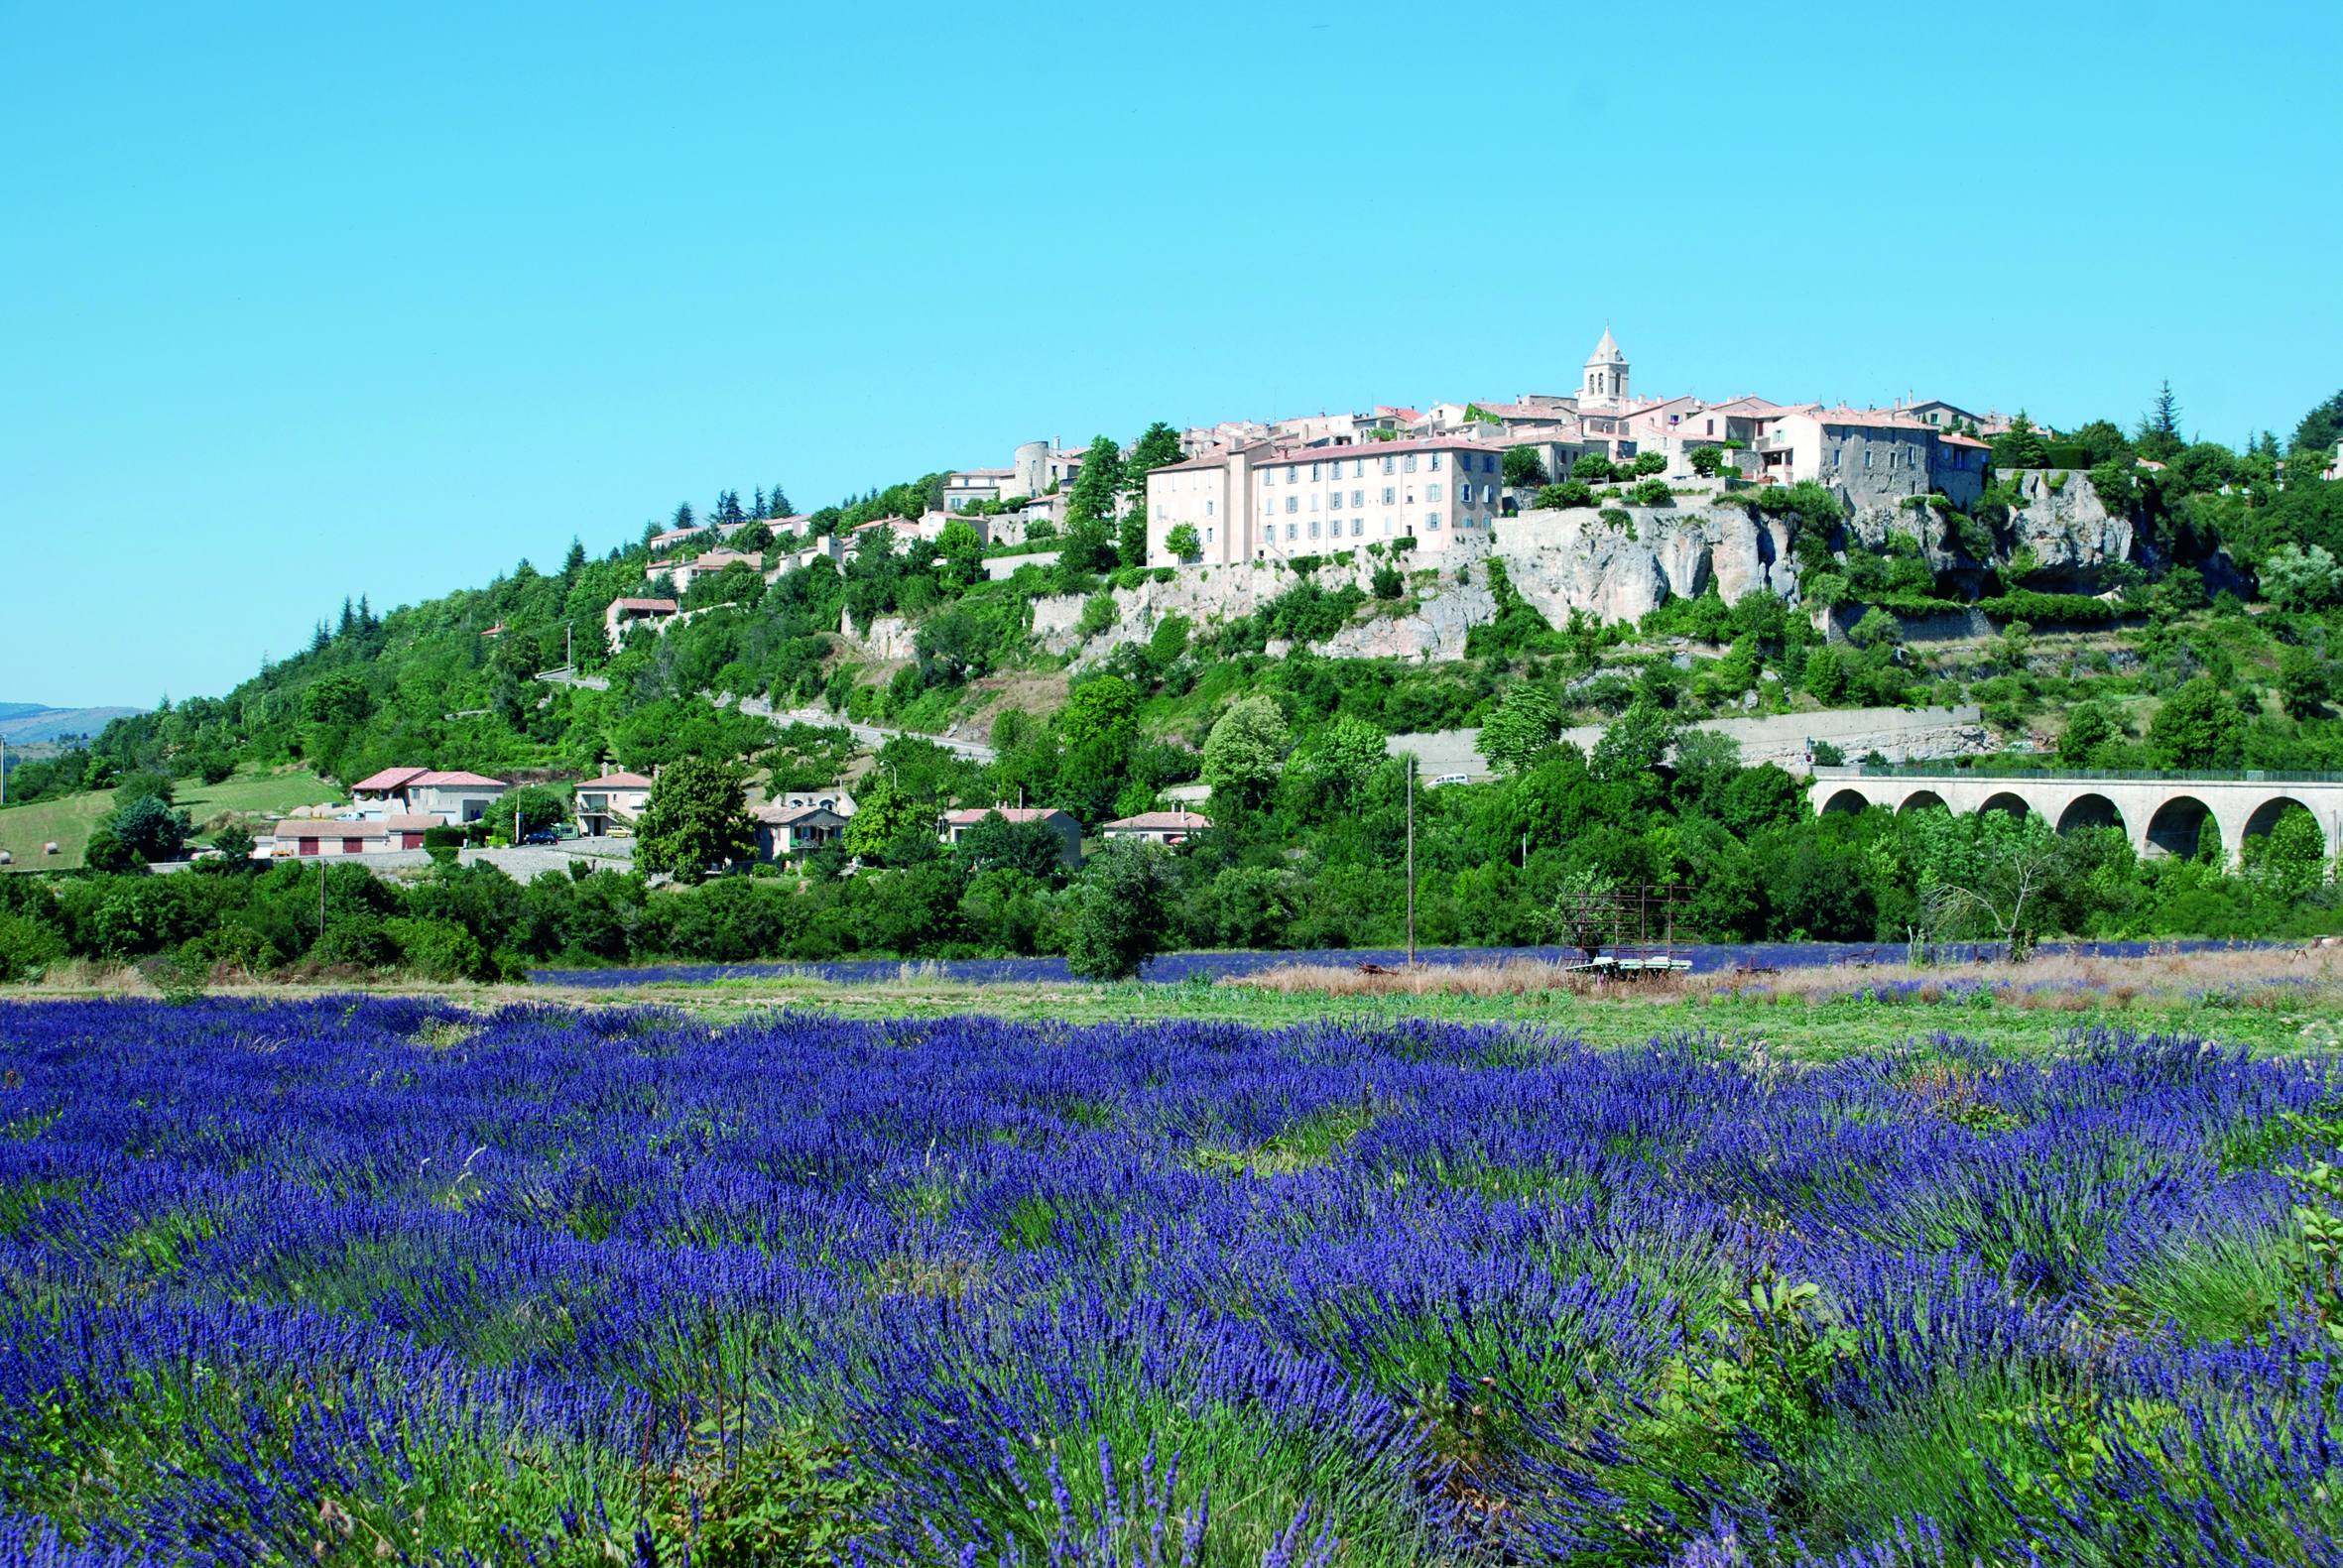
1627 931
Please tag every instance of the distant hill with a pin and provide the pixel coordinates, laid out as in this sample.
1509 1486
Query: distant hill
26 722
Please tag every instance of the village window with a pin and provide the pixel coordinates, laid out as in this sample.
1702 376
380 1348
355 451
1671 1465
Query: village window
1207 509
1432 520
1411 462
1290 470
1431 492
1435 463
1388 493
1313 528
1389 464
1294 503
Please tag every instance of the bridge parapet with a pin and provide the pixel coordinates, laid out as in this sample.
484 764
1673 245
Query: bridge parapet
2159 811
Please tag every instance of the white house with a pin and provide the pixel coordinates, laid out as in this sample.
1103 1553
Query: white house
449 798
304 836
613 799
1269 502
786 830
1157 827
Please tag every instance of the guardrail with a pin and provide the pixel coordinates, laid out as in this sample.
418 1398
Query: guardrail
2079 775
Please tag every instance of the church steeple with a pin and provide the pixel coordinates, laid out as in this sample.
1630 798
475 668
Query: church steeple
1606 372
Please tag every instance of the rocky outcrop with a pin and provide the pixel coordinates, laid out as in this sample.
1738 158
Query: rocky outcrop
1559 561
2068 529
2057 522
1574 560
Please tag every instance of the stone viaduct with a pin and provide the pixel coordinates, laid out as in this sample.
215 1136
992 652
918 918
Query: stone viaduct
2162 812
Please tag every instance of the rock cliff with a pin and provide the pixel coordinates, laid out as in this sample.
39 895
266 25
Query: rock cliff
1558 560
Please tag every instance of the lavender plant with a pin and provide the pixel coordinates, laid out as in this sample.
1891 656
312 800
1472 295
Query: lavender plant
372 1281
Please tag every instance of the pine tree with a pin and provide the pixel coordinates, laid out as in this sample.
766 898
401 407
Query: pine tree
779 505
757 505
2159 428
684 518
576 560
349 618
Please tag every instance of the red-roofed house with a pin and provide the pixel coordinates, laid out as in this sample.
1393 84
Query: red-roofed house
421 793
1068 831
624 613
296 836
613 799
784 830
1157 827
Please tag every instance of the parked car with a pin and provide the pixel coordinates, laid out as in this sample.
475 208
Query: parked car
544 835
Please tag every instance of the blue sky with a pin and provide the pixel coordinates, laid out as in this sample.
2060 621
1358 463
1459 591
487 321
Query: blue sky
334 299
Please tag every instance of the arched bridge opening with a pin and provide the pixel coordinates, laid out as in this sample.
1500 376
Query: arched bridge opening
2090 810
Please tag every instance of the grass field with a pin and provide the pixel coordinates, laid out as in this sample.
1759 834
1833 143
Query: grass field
68 819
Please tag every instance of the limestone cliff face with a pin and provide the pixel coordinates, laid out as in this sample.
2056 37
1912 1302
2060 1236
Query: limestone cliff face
1558 560
2073 536
2059 518
1574 560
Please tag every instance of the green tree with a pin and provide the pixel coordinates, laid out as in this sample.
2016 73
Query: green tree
1706 460
2320 429
960 552
2198 726
1098 485
1826 675
1570 493
994 842
1523 468
1119 910
2159 437
2305 681
1593 466
1649 463
338 700
1527 720
2089 726
146 825
540 806
1158 445
2293 578
1246 749
2020 445
1104 710
886 814
696 819
1183 542
1349 752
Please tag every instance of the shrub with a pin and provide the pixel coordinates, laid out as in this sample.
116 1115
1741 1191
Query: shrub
1388 582
1595 466
436 949
1119 911
27 947
1649 493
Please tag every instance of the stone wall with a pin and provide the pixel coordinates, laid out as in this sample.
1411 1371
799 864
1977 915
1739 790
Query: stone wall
1897 734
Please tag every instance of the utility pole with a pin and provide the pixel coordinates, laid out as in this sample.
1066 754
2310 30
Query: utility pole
320 895
1411 860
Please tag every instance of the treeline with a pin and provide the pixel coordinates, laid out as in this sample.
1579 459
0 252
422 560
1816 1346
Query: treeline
1309 850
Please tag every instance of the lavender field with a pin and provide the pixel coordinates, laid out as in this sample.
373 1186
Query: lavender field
377 1281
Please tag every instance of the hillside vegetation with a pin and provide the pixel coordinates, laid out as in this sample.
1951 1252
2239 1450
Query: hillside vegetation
2214 651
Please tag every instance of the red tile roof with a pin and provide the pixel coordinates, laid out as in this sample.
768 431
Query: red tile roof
1161 821
390 779
1014 813
617 780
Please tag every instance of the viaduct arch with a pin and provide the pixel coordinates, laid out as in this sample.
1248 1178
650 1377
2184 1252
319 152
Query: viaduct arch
2160 812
